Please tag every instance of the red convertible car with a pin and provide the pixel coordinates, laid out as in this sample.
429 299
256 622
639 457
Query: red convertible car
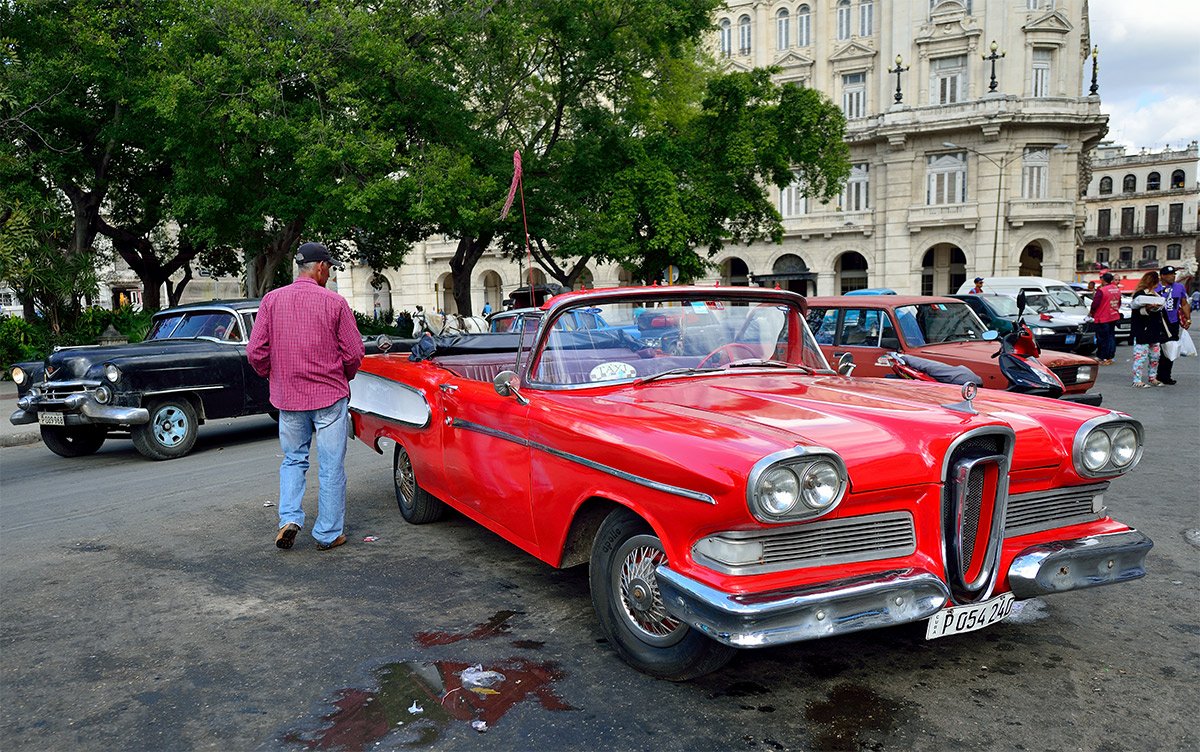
729 490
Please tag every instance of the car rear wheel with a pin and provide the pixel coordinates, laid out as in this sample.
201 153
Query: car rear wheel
73 441
629 605
171 431
417 505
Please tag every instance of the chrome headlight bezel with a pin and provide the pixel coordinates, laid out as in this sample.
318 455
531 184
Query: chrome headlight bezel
103 394
1112 425
112 373
805 463
18 375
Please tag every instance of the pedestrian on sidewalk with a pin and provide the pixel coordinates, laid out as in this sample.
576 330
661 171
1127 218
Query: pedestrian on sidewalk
1178 313
1149 329
1105 313
306 343
978 288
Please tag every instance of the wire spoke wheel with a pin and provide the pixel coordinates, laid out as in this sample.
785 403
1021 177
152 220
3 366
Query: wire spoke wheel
637 588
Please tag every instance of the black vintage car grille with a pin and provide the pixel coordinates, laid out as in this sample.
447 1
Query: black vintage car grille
1043 510
982 454
61 389
1068 374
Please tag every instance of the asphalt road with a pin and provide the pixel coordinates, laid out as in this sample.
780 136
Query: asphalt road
145 608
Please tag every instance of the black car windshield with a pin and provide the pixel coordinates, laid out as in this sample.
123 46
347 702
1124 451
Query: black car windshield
1003 305
193 324
935 323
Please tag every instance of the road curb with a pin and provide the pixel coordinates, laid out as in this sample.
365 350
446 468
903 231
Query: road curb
20 439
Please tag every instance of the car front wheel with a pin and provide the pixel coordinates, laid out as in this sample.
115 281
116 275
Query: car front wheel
171 431
73 441
417 505
629 605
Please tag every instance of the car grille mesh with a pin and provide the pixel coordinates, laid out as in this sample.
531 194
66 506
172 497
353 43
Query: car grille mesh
972 509
877 536
1068 374
1043 510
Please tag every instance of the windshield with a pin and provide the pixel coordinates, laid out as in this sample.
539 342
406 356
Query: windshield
640 340
1004 305
1065 297
1040 302
935 323
192 324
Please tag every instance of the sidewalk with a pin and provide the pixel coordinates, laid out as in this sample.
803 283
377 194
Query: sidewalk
11 435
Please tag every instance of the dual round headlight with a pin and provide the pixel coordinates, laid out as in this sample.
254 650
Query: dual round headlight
1108 448
798 490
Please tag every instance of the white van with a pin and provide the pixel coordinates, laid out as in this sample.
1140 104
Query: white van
1062 293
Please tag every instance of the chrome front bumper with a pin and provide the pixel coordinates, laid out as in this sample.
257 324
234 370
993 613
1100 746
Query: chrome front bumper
78 409
1081 563
783 616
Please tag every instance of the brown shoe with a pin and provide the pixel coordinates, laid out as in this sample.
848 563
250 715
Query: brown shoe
287 535
331 544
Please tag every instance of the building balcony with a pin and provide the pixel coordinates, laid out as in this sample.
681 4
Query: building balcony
826 224
1058 211
949 215
989 114
1168 233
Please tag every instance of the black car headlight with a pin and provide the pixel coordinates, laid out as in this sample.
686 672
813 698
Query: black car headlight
18 375
112 373
1106 446
796 484
103 394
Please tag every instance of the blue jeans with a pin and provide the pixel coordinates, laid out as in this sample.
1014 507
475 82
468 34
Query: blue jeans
1106 340
296 429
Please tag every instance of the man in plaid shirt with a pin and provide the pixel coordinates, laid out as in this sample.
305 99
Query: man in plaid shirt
306 343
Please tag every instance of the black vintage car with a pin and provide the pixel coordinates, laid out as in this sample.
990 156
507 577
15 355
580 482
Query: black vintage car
192 367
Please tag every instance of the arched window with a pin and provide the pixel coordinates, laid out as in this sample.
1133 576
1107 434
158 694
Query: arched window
1176 179
1153 181
1105 186
744 35
726 38
1129 184
843 19
803 26
866 18
783 29
851 268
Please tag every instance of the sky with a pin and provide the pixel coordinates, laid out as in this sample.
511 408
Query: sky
1149 70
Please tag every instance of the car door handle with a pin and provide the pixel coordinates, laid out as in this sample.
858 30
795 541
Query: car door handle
448 387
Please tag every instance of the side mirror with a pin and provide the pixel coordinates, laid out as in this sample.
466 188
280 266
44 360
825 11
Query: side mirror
991 334
846 364
507 384
383 342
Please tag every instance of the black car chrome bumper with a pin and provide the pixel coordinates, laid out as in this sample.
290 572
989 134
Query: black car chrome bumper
78 409
1082 563
783 616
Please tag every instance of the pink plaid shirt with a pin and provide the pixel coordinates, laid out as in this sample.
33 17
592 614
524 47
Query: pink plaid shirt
305 341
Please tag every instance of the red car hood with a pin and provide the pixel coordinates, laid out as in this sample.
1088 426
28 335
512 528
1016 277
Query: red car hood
978 355
889 433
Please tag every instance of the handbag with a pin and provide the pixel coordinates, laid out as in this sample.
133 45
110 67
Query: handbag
1186 346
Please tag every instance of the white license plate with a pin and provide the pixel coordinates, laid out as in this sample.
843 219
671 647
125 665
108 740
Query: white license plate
51 419
959 619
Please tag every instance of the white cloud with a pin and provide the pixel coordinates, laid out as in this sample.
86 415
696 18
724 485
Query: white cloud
1149 70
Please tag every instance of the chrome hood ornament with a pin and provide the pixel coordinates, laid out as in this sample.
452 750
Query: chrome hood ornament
967 405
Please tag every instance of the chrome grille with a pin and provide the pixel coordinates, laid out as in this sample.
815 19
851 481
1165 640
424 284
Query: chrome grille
964 526
973 508
61 389
1068 374
818 544
1043 510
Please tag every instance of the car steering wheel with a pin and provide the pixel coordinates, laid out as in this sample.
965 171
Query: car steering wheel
728 353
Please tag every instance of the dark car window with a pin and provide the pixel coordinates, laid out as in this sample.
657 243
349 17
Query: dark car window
934 323
823 322
861 327
164 327
188 325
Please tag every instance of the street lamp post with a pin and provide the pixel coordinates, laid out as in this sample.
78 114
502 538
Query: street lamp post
1004 162
993 57
1095 89
898 70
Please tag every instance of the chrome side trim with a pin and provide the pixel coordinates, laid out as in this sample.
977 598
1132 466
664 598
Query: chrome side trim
390 400
1080 563
647 482
184 389
806 613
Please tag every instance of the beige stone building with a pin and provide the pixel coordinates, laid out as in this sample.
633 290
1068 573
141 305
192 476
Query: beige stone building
1142 211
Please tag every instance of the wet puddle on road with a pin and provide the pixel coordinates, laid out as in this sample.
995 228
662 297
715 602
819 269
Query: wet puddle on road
416 703
496 625
850 711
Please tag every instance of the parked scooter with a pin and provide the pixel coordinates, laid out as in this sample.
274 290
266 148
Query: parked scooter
1018 362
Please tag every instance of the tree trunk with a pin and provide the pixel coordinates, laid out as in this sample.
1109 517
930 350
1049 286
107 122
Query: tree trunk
137 251
175 292
565 277
260 271
462 266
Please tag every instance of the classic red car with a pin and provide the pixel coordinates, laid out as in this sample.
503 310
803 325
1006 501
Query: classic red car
734 491
941 329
